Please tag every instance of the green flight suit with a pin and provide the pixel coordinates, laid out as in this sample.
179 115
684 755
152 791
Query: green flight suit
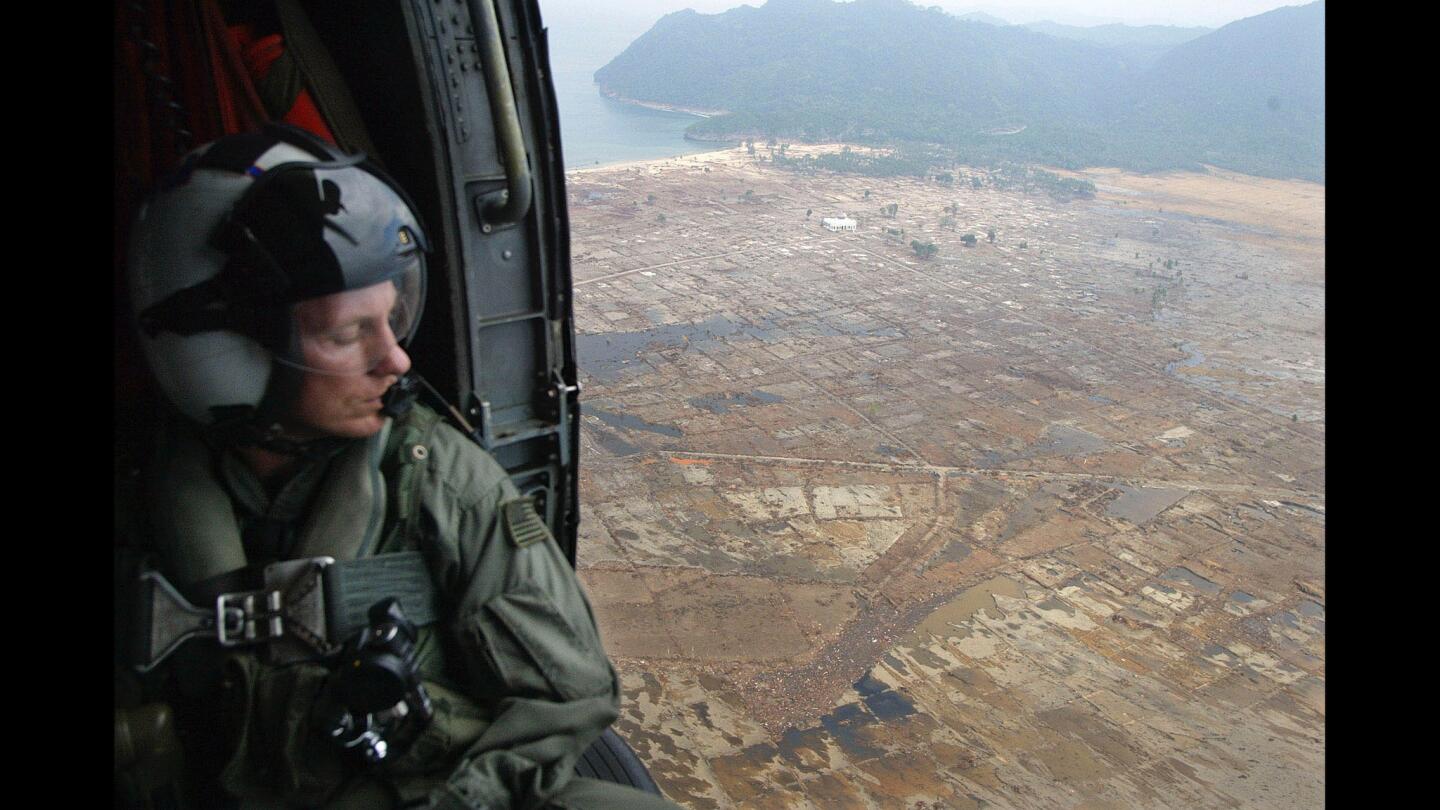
516 671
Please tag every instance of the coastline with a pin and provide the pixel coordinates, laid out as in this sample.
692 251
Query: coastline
723 154
698 112
728 152
731 153
1281 206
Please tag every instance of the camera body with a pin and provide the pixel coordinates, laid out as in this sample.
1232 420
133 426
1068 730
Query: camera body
374 703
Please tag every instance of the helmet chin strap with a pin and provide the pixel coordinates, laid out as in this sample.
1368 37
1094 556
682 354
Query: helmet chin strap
252 430
263 426
255 432
274 439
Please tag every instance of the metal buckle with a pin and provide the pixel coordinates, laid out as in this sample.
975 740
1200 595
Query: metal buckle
288 613
238 621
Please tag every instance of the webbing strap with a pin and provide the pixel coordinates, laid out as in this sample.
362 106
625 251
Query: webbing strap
327 86
352 586
288 613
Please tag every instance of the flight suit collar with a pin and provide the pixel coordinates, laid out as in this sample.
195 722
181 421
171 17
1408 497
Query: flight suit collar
289 503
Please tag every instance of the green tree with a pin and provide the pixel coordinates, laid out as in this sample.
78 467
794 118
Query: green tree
923 249
990 234
968 239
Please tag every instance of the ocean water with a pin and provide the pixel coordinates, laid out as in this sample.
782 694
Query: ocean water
594 130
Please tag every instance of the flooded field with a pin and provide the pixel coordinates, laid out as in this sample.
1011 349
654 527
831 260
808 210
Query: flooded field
1034 523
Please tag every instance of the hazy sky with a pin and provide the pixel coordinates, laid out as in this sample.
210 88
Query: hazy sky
1211 13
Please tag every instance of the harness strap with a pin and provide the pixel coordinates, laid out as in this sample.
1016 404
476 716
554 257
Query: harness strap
353 586
327 86
301 608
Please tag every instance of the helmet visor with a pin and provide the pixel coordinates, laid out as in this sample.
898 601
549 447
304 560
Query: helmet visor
356 331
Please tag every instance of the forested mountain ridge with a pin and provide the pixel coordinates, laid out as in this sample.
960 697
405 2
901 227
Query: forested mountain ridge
1251 94
1139 45
873 71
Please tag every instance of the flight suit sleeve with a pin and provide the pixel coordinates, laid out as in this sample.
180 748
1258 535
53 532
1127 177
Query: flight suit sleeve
531 654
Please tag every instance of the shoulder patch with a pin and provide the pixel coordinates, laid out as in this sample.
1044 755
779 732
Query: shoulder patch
522 523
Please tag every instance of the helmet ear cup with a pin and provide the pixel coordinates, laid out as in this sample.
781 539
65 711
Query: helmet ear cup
280 396
204 367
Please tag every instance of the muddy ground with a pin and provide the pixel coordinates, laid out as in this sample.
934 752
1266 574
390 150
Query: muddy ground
1034 523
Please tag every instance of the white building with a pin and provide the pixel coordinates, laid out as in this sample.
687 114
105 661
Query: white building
838 223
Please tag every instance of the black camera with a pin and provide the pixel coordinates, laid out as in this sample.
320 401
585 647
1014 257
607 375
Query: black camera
374 702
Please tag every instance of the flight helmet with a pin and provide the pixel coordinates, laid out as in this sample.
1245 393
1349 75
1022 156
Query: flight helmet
246 229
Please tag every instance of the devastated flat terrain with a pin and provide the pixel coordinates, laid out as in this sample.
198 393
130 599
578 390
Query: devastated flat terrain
1034 523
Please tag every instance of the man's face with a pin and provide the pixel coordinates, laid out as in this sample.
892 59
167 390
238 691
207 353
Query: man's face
350 358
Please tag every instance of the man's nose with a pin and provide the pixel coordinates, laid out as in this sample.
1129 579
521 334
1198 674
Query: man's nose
395 361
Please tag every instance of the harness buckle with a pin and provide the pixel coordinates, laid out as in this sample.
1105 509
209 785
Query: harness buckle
288 615
248 617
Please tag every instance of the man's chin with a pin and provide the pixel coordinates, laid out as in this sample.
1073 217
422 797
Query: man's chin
361 428
357 427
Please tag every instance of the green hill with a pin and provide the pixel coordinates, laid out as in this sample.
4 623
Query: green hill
1250 96
980 16
1139 45
870 68
877 71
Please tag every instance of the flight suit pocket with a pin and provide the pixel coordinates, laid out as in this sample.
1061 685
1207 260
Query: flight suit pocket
536 651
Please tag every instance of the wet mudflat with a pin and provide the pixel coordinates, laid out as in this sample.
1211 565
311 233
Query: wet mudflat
1001 528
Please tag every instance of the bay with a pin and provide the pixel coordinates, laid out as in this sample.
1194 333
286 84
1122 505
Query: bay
595 130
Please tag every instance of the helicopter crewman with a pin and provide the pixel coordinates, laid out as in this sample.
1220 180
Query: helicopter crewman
335 598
